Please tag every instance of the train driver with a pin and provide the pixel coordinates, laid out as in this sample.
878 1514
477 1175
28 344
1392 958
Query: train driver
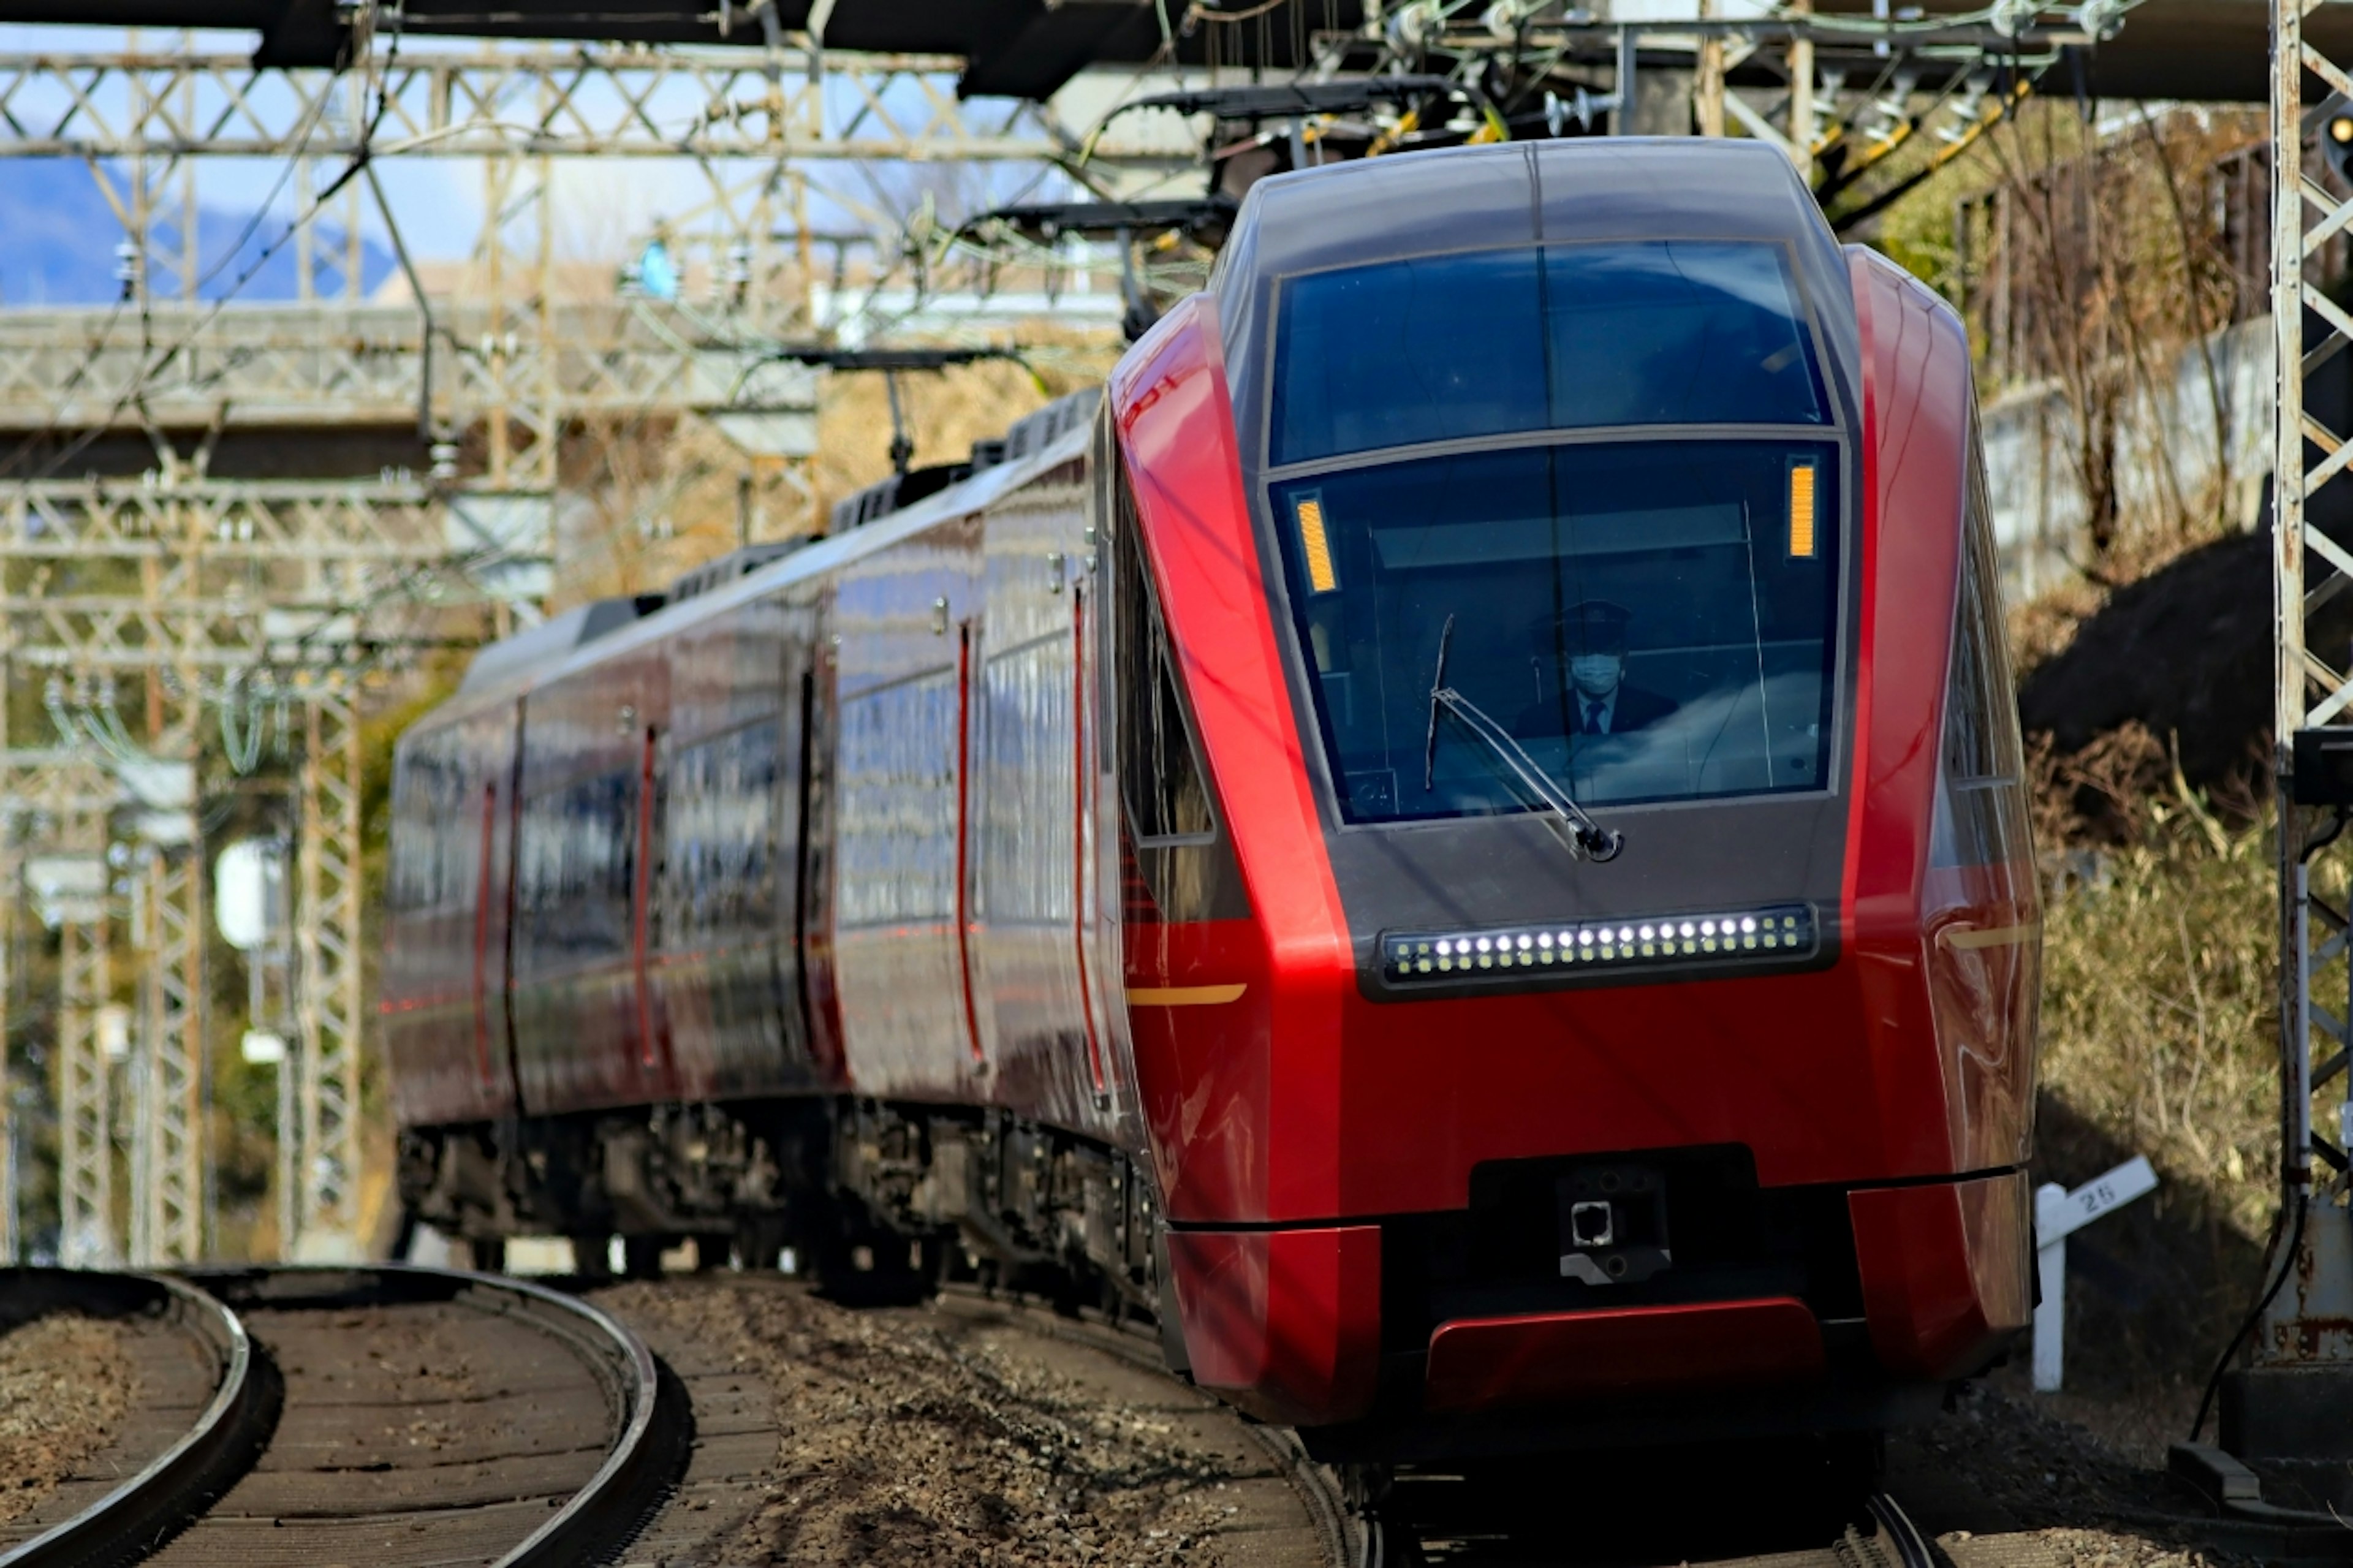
1589 637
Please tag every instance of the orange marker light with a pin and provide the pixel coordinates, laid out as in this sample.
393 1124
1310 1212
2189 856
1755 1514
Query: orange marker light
1802 511
1315 546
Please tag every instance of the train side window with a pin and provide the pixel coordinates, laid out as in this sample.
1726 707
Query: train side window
1159 764
719 837
414 883
429 801
576 873
1981 820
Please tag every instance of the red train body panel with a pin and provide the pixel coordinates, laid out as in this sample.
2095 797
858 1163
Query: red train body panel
1058 874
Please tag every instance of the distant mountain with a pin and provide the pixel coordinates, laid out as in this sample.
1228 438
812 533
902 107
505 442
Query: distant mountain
58 237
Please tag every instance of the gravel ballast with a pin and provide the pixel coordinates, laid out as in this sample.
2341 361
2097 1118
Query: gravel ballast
962 1433
64 1385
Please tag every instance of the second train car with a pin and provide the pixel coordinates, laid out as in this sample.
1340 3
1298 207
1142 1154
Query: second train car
1456 837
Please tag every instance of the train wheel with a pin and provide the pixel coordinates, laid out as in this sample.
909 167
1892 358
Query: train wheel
876 1268
760 1242
641 1256
592 1255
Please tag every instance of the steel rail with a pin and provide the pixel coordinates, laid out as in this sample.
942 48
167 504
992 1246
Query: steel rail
654 1421
1911 1547
129 1520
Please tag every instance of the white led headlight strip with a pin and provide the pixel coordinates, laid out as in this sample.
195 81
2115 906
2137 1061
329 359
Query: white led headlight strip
1425 957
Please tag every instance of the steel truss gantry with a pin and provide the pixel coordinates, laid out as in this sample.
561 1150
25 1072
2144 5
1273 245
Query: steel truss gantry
581 103
172 587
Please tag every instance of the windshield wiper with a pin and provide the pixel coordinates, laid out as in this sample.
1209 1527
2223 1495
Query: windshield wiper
1598 843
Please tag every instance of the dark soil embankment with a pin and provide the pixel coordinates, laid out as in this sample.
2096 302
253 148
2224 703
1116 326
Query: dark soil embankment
2178 662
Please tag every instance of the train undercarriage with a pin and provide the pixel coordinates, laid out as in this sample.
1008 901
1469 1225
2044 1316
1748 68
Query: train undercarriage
878 1200
880 1203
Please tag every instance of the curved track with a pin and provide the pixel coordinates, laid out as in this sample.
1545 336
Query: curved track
207 1404
421 1416
1356 1533
435 1417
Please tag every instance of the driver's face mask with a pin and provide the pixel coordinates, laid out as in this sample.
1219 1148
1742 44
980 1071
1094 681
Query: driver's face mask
1597 674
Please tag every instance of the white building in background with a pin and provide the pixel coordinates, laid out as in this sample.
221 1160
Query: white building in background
2167 456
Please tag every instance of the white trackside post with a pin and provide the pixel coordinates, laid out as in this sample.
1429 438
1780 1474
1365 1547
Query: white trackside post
2050 1273
2059 1213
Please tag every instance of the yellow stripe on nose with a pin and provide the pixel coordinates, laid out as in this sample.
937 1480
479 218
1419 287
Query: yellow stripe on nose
1185 995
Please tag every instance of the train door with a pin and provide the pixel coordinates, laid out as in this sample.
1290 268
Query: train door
788 662
585 1034
909 624
722 965
657 1068
810 966
1031 985
504 785
444 920
489 818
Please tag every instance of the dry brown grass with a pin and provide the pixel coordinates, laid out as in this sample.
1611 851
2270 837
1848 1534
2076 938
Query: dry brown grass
2158 1010
2159 1037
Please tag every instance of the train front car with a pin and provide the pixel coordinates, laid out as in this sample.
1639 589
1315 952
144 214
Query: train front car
1582 935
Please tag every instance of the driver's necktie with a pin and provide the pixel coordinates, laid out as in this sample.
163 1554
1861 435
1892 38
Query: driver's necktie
1593 712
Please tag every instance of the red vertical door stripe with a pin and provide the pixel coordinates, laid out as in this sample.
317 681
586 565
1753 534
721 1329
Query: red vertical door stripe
644 901
964 840
482 937
1079 780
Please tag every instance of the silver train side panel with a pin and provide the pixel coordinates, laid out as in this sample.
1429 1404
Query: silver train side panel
907 618
1031 990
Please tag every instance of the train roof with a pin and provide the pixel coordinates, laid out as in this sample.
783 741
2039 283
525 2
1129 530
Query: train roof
1579 189
603 627
1466 198
1371 210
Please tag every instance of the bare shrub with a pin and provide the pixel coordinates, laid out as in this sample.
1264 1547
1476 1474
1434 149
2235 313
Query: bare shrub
2089 259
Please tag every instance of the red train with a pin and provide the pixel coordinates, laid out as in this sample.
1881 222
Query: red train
1456 836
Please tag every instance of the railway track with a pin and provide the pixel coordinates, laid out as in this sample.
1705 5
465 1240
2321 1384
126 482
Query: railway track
205 1406
394 1415
1357 1534
401 1416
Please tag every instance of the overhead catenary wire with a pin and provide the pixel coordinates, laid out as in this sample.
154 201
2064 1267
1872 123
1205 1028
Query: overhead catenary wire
147 372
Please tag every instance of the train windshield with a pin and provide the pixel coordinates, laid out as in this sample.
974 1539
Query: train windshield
1651 620
1440 348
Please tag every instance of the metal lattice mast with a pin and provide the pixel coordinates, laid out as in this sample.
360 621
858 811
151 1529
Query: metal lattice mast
2303 1329
167 1197
11 1216
328 1001
85 1092
514 259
